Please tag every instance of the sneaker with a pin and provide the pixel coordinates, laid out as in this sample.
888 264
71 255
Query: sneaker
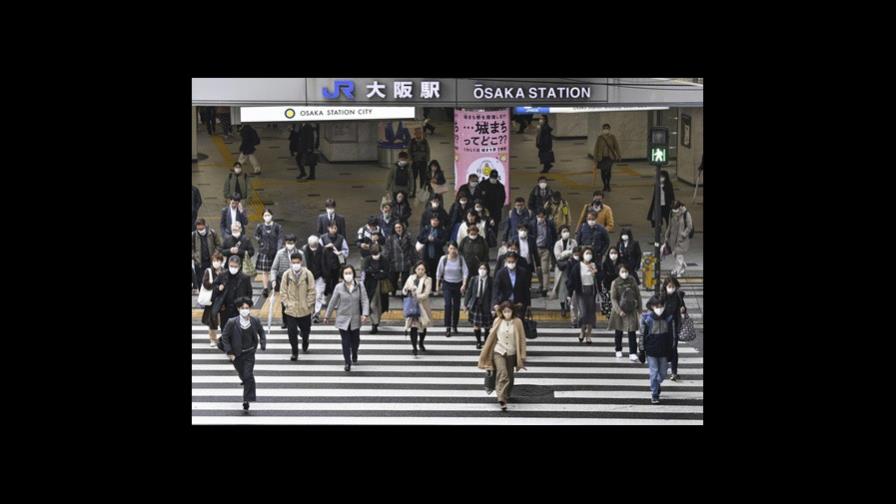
633 357
213 344
618 355
675 377
315 319
654 400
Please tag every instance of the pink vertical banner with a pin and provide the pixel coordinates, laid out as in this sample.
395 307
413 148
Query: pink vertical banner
481 146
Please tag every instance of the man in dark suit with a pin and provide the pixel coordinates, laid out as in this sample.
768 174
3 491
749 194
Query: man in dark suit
308 142
511 284
231 214
197 203
324 219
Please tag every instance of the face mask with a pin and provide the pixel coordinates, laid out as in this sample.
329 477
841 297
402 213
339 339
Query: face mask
237 234
297 267
658 311
483 272
576 257
565 235
494 180
522 234
511 266
331 211
267 219
234 270
587 257
670 290
290 246
542 185
662 179
479 209
474 183
614 256
237 170
592 222
508 314
463 202
606 132
540 220
623 275
376 256
624 237
202 231
473 235
244 312
434 206
348 277
216 264
402 163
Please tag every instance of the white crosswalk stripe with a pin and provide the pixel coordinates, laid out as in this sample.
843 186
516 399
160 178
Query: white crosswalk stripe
566 383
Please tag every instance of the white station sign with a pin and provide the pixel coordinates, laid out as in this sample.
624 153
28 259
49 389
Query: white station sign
288 113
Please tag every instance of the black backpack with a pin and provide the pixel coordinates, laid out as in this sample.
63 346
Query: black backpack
401 177
628 302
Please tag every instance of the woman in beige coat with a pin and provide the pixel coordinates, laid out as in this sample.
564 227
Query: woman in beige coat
420 287
505 348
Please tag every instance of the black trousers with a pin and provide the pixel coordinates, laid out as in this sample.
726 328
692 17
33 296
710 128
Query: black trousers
452 303
244 364
674 360
399 278
351 340
432 265
293 326
632 342
198 271
419 170
606 168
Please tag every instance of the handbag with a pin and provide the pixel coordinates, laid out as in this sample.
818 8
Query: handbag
687 332
423 195
411 307
530 325
490 378
249 265
205 295
606 306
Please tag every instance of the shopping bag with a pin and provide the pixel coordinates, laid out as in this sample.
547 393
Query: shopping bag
411 307
687 331
249 266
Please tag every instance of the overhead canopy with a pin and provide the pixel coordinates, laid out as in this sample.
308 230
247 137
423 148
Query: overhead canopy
442 92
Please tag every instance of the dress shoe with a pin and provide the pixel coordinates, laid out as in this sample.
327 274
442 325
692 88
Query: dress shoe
348 367
246 406
294 357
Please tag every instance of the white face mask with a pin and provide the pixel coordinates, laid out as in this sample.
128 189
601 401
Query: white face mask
331 211
434 206
483 272
587 257
507 314
203 232
625 237
474 183
606 132
658 311
614 256
592 222
375 256
493 180
522 234
244 312
237 170
463 202
268 219
542 185
297 267
479 209
348 277
402 163
670 290
576 257
565 235
540 220
623 275
216 264
234 270
237 234
290 246
511 266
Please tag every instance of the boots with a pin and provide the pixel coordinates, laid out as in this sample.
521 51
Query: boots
563 312
478 333
414 339
374 330
422 336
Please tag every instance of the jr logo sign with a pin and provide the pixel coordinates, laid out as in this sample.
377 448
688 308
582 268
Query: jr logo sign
347 88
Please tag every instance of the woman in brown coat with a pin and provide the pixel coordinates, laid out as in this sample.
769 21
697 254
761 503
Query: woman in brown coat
505 348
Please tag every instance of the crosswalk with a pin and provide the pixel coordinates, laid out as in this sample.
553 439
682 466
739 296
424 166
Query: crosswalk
567 383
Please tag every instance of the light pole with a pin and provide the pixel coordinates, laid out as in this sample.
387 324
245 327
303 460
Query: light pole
657 155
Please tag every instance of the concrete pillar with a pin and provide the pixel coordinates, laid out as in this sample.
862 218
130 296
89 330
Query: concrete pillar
689 158
349 140
195 155
569 125
630 129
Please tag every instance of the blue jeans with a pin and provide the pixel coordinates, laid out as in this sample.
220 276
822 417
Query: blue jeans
452 303
657 366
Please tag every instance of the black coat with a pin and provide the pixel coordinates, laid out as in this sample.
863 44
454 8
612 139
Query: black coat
374 271
231 338
309 138
673 304
670 197
458 214
402 211
504 287
294 142
608 271
521 262
475 194
323 223
227 222
493 198
631 255
537 200
432 249
472 301
574 276
244 244
314 260
331 260
533 250
235 287
197 200
474 252
440 212
249 139
544 141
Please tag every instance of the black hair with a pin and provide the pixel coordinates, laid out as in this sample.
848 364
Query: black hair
540 211
237 164
488 269
402 154
290 237
330 202
493 174
587 248
417 265
557 195
655 300
597 193
671 280
511 255
520 200
268 210
566 227
473 212
371 220
403 194
296 255
463 194
473 175
620 266
200 221
677 204
472 228
434 163
451 243
236 197
345 267
542 178
243 300
606 125
522 225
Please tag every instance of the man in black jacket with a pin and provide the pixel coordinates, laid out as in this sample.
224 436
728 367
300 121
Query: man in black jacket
493 197
308 143
242 335
197 203
512 284
249 139
472 187
229 287
324 219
